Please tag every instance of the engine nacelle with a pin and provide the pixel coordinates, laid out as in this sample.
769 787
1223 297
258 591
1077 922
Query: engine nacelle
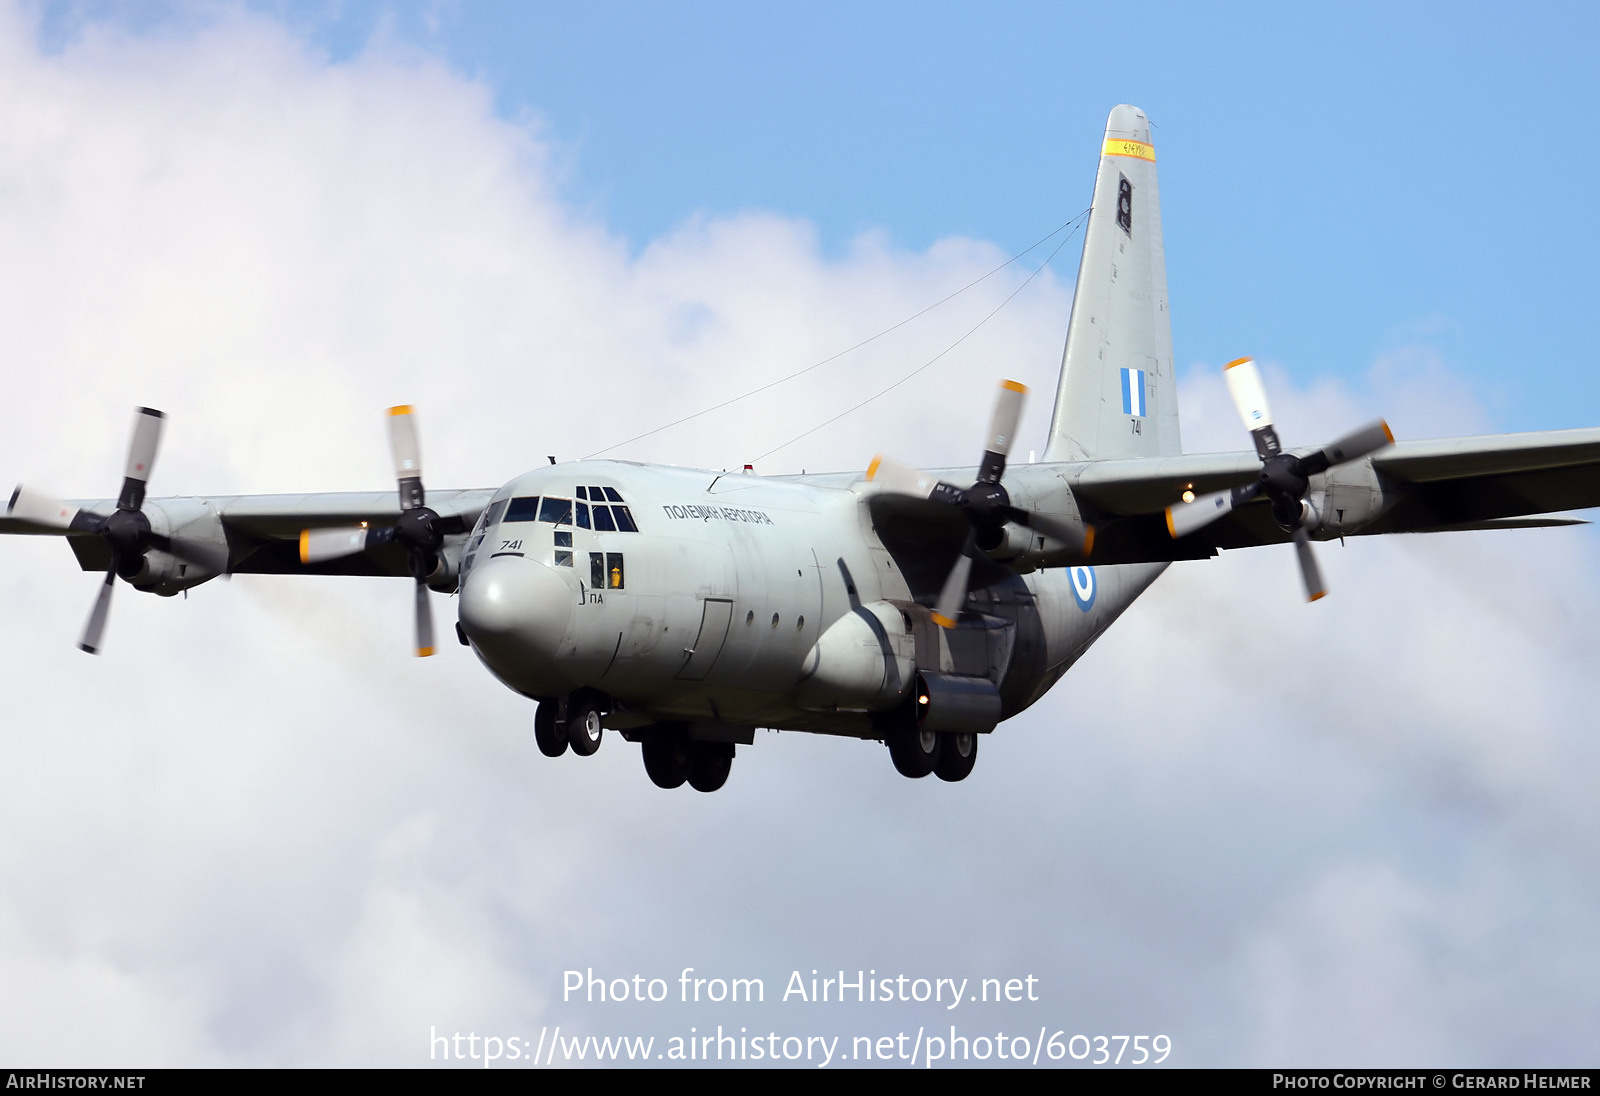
1021 548
161 572
865 661
1345 498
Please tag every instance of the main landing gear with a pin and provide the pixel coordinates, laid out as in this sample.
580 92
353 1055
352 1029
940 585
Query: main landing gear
671 757
949 755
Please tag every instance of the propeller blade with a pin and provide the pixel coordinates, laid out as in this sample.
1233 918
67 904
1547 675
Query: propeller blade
1184 518
424 622
41 509
90 642
317 545
1353 446
1080 537
141 457
954 592
902 479
1250 398
1309 570
1002 428
407 453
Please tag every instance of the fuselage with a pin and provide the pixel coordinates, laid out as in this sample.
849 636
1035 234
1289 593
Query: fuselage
688 595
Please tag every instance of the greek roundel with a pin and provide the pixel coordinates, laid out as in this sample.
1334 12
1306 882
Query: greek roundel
1083 586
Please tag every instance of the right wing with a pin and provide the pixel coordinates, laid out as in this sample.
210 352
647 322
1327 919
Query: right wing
1495 482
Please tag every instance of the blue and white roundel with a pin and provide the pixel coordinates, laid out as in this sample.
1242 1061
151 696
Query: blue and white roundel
1082 586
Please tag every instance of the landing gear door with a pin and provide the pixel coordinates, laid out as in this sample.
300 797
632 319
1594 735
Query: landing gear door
708 644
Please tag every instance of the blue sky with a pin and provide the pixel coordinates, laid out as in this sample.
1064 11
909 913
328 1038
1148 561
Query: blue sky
1337 182
553 226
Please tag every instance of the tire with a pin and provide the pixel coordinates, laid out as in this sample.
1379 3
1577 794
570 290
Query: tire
957 754
666 758
915 752
552 739
584 727
709 764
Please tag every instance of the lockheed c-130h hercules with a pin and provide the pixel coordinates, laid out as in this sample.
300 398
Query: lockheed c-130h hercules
683 609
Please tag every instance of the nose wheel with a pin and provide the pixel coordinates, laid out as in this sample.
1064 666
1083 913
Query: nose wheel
584 726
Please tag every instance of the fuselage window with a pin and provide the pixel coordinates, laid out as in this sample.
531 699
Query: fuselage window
556 511
614 570
597 571
525 509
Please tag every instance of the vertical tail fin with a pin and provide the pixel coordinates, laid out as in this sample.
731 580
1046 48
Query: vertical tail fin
1117 396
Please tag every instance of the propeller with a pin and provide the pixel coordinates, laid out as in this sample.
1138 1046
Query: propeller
419 530
986 504
1285 478
126 529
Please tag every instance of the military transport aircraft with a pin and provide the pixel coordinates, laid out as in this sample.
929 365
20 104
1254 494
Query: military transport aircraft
683 609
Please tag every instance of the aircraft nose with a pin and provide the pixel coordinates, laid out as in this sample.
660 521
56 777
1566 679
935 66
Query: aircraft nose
518 614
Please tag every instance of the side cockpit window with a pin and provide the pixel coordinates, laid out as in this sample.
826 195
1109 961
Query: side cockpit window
523 509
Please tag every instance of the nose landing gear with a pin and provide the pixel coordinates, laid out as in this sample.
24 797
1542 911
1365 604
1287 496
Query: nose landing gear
582 728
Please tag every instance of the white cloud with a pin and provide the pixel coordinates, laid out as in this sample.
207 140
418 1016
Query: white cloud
254 831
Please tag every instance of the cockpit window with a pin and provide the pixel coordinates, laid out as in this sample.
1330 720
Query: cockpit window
556 511
605 518
492 515
523 509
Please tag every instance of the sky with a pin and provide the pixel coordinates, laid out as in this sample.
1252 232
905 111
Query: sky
256 832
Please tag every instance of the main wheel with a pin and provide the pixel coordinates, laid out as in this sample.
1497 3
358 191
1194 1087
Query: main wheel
957 755
915 752
552 739
583 726
709 764
666 758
